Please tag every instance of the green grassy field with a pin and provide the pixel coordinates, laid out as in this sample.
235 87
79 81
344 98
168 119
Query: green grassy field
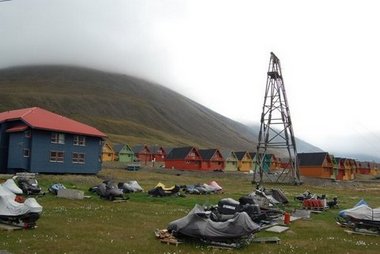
98 226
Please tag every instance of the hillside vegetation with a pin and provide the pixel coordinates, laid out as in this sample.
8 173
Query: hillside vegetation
127 109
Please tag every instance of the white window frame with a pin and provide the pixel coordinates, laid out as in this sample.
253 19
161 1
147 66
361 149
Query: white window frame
28 133
57 138
55 156
26 152
78 158
79 140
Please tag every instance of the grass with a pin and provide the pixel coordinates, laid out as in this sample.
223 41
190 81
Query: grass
98 226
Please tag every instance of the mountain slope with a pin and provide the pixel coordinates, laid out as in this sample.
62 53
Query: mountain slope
128 109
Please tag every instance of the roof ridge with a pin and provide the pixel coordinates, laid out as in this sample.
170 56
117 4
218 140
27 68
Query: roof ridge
28 111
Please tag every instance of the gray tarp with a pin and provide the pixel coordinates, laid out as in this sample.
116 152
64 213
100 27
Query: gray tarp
362 212
197 224
132 186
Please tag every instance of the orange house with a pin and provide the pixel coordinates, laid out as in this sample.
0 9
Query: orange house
108 154
315 165
344 168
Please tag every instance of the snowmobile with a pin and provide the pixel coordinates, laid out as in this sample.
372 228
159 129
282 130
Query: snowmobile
210 188
131 186
161 190
247 204
29 186
54 188
109 190
17 211
197 224
361 217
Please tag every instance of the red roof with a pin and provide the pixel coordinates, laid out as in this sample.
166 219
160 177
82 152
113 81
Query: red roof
38 118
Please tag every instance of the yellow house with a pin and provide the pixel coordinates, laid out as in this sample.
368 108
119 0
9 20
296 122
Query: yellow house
108 154
244 161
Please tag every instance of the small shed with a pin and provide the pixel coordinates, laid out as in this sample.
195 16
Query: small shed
184 158
124 153
315 165
245 162
231 161
212 159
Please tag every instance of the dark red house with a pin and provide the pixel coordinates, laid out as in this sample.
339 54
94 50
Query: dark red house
142 153
364 167
187 158
159 153
212 159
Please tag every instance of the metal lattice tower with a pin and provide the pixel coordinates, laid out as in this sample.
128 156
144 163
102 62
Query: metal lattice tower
276 131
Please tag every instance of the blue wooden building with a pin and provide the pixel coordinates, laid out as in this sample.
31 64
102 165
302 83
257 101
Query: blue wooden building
36 140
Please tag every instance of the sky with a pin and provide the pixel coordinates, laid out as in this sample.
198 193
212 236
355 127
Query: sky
217 52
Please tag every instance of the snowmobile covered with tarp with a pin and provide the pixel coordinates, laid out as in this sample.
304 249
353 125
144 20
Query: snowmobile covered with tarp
15 210
211 188
55 187
361 217
130 186
108 190
162 191
198 224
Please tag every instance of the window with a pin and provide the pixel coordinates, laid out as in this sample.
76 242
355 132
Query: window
78 158
58 138
26 152
56 156
27 133
79 141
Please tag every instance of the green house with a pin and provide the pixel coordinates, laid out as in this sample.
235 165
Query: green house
231 161
124 153
266 163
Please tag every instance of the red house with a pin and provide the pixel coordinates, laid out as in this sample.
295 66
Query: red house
212 159
142 153
159 153
187 158
364 167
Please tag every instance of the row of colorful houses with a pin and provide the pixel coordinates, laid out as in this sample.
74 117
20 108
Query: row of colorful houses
138 153
325 165
317 164
36 140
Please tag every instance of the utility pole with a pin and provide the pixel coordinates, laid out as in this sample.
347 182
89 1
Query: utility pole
276 131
